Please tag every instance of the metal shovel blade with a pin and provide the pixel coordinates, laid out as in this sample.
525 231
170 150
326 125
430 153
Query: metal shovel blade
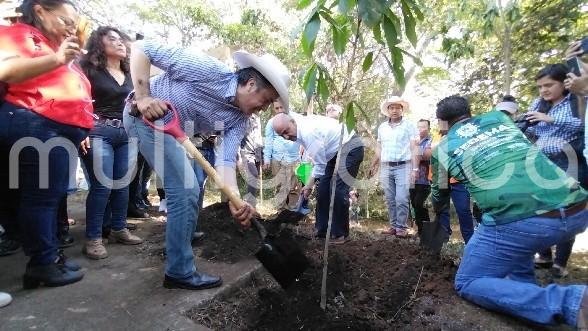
283 259
433 235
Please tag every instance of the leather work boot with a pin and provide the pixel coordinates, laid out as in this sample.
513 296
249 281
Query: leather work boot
125 237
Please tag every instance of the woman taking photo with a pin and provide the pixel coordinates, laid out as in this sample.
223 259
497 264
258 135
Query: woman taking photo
107 161
47 103
559 132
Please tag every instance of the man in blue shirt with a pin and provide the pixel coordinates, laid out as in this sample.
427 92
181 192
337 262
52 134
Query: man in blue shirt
208 96
282 156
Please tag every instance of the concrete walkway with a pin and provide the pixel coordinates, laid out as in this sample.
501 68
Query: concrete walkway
122 292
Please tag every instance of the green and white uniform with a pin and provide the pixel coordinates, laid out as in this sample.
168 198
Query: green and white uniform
508 177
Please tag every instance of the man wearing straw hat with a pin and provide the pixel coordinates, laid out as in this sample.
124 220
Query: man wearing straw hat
208 96
397 154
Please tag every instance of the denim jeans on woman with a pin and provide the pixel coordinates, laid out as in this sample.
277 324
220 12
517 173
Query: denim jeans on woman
497 270
563 250
43 178
109 171
182 192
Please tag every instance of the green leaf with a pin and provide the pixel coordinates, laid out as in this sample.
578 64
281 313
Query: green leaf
303 4
309 82
327 16
367 61
415 59
409 23
378 34
390 32
349 117
310 32
415 9
368 12
323 87
345 6
396 66
341 35
363 112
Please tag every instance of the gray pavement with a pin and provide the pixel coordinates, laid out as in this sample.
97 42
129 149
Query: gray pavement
122 292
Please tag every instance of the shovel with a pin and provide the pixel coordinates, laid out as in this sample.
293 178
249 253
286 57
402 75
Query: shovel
433 235
279 254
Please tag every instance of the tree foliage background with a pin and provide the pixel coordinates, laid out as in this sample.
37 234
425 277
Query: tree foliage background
358 52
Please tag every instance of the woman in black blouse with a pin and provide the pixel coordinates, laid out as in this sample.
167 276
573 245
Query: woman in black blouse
107 156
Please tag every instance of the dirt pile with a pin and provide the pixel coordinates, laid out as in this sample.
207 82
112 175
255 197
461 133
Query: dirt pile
372 285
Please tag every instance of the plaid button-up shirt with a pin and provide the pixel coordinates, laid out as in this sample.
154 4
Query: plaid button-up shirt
551 137
201 88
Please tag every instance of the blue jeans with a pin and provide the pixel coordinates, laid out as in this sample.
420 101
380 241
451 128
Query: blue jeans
109 172
340 225
396 184
182 192
461 201
42 182
497 270
209 155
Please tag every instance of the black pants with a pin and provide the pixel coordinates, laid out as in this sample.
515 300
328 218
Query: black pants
418 196
340 225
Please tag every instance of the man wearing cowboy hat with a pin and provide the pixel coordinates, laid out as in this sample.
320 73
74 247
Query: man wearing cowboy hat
397 151
208 97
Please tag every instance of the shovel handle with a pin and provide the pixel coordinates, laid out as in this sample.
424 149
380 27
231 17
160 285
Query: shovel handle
174 129
209 170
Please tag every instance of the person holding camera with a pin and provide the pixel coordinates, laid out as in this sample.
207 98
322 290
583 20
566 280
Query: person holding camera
554 120
577 82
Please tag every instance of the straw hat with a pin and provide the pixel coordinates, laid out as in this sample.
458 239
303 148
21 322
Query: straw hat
391 101
271 68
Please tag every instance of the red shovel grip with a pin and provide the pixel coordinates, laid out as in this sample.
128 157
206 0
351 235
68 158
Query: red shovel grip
172 128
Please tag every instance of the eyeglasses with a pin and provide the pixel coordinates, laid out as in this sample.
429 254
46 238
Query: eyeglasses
67 22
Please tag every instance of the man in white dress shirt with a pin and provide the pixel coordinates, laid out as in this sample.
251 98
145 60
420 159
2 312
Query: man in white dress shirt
320 135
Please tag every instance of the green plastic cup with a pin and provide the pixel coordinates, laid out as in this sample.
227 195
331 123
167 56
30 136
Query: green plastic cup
303 172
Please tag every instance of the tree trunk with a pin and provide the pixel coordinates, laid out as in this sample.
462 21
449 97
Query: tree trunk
328 235
507 58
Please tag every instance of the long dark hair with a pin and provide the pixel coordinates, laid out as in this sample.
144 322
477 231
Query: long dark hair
95 59
28 12
557 72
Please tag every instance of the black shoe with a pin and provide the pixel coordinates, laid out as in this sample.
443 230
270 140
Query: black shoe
69 264
66 240
8 246
197 282
198 235
145 202
137 213
51 275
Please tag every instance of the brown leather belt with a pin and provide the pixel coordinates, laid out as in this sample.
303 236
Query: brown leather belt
568 211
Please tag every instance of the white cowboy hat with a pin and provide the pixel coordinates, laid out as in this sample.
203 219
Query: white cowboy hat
391 101
271 68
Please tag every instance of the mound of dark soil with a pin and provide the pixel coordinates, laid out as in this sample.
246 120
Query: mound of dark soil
224 240
372 285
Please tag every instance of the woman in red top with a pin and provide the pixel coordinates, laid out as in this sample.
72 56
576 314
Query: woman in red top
45 114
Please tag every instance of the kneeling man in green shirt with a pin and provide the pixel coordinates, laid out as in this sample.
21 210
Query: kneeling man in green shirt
528 204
